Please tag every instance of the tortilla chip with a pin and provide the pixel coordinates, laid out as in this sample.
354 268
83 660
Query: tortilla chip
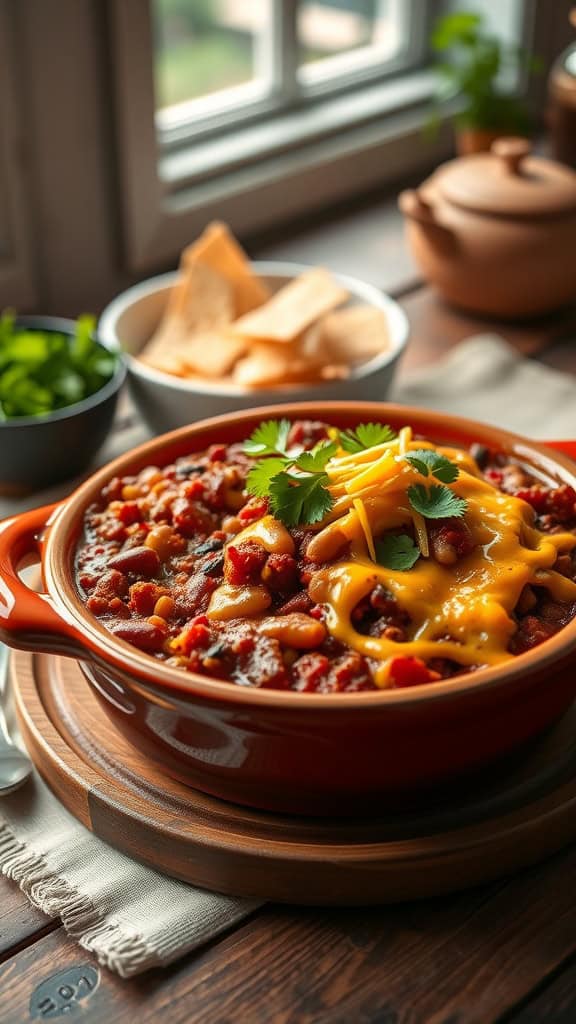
207 353
200 301
294 308
354 335
218 249
269 364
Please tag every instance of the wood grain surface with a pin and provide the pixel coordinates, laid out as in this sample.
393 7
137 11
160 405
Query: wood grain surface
19 921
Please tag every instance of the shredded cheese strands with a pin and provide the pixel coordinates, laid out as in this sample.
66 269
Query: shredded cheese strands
463 611
365 524
404 438
421 532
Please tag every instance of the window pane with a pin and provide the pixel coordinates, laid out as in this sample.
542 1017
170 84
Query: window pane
328 30
203 47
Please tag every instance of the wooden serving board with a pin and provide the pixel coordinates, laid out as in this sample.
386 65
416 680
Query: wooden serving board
522 813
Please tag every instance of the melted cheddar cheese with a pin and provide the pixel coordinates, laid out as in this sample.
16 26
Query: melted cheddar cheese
463 611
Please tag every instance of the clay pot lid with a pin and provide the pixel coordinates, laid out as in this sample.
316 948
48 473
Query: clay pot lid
508 181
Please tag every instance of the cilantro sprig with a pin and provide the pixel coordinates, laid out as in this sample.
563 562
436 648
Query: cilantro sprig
436 501
295 484
295 500
269 438
427 462
44 370
298 487
366 435
396 551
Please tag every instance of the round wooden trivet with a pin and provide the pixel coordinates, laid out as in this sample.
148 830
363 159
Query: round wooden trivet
514 819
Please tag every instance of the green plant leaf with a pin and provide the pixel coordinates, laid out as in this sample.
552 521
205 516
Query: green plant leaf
41 371
366 435
259 477
427 462
435 502
396 552
315 461
299 500
269 438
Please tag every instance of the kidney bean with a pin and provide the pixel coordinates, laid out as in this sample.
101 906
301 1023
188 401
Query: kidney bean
143 635
143 560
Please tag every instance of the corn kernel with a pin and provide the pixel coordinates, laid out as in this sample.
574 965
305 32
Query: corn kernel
155 620
130 492
160 540
164 607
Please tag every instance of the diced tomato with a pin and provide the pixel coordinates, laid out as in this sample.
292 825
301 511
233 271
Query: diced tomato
194 635
409 671
244 563
143 597
217 452
254 509
129 512
194 489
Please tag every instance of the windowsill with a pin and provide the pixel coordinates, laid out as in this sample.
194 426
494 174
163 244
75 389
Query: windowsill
368 110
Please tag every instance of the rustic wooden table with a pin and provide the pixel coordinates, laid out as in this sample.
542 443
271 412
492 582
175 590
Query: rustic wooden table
505 952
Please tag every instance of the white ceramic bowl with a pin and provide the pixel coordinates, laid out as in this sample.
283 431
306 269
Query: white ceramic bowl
166 402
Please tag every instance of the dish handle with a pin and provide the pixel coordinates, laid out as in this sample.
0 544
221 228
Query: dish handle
566 447
28 619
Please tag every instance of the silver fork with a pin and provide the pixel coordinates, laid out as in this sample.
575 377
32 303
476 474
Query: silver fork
15 766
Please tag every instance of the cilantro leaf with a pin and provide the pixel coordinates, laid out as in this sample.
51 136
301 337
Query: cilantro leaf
269 438
43 370
259 477
295 500
435 502
366 435
396 552
315 460
428 462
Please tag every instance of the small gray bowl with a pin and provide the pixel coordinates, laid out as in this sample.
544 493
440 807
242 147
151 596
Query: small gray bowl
166 402
38 451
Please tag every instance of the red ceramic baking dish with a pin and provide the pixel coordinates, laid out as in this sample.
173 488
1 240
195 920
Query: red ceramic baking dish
280 750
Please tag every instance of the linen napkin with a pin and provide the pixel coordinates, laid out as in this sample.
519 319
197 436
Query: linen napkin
129 916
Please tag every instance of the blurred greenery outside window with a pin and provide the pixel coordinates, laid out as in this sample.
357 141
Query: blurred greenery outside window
206 49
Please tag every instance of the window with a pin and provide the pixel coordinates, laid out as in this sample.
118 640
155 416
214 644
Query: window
165 114
219 62
258 111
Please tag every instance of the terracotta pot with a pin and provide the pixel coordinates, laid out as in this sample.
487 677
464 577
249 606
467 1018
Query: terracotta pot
495 233
475 140
338 753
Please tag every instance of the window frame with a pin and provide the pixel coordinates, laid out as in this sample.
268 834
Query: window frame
17 270
88 211
168 196
242 106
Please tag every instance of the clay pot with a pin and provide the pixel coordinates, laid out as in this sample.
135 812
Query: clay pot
495 233
474 140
